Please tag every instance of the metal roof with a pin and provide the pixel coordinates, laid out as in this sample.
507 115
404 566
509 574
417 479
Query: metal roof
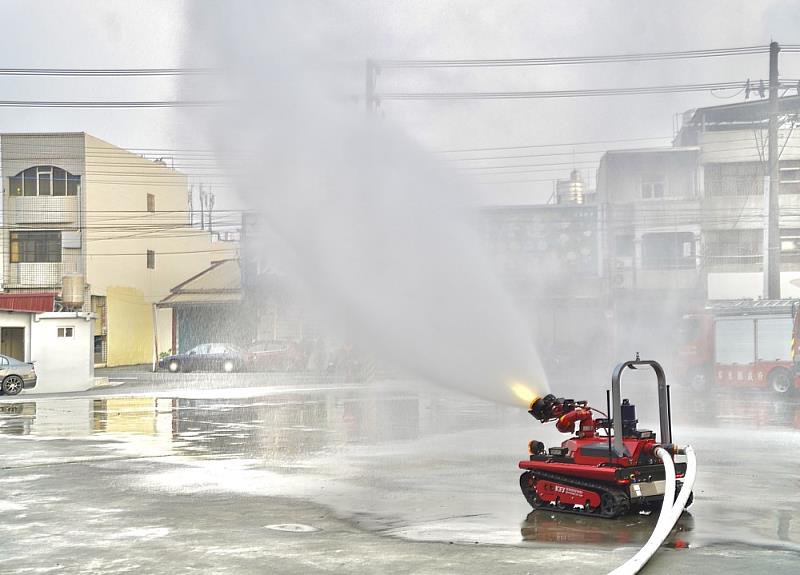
753 307
27 302
219 283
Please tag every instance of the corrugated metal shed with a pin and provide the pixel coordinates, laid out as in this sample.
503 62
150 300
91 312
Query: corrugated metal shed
220 283
30 302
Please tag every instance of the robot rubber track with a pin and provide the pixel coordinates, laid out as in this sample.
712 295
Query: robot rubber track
613 502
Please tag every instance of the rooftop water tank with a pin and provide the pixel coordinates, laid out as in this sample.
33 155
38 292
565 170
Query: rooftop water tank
73 287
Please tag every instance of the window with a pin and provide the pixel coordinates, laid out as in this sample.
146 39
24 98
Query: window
737 247
734 179
59 182
151 260
66 331
151 203
44 181
790 245
652 187
34 247
668 250
29 182
789 172
734 341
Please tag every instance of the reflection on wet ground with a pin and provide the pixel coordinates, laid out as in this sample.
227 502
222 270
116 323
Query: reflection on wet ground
275 427
548 527
414 462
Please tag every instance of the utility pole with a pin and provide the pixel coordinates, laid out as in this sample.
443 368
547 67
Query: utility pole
191 206
370 101
211 199
772 238
202 206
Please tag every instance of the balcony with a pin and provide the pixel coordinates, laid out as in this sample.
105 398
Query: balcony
44 275
63 210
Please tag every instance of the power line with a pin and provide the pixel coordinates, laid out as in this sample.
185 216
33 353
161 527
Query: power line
594 92
569 60
179 253
496 148
106 72
111 104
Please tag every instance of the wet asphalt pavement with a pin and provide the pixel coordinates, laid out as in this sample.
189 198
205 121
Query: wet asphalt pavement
287 473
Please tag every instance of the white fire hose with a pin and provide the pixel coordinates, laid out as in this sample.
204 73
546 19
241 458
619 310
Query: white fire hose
669 514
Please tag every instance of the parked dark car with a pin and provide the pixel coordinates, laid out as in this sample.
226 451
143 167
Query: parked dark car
278 356
16 375
206 357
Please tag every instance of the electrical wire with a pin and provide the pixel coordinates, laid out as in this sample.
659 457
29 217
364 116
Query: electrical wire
578 93
569 60
107 72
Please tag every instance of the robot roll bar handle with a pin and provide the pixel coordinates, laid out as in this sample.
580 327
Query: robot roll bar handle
663 400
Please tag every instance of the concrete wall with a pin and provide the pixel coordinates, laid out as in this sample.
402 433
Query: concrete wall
119 181
62 363
744 145
749 285
620 175
130 327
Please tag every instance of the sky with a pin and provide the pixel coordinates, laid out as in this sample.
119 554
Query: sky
124 34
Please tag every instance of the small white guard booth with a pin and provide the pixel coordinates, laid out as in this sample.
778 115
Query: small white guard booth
62 349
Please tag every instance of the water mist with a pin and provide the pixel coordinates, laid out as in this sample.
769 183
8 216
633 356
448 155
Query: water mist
376 234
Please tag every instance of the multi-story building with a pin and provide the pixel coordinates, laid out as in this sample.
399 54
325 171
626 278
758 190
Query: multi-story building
685 224
691 218
733 169
74 205
650 245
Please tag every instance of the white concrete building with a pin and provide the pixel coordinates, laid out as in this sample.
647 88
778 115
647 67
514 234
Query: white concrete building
60 344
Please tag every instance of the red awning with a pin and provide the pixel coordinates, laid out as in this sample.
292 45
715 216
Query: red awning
30 302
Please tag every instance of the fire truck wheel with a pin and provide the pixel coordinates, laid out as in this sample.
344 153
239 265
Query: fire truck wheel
780 380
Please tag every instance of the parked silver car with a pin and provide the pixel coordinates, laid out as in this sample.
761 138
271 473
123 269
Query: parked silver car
16 375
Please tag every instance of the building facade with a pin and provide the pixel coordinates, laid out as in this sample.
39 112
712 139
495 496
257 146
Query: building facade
733 170
75 206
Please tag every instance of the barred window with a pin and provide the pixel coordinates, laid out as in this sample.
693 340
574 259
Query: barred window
734 179
151 260
44 181
34 247
734 247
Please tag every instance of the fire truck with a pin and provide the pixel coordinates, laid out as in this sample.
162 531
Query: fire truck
742 343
